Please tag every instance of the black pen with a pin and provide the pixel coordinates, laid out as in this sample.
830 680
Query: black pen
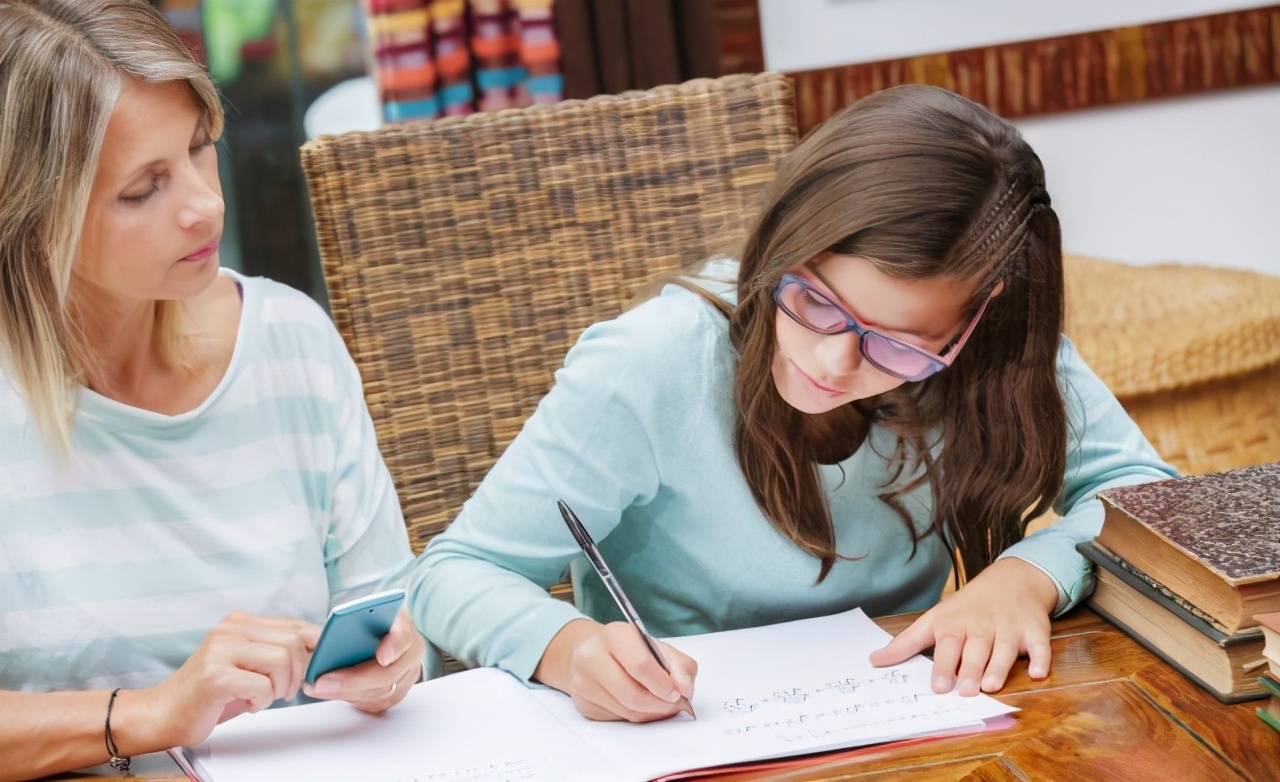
588 547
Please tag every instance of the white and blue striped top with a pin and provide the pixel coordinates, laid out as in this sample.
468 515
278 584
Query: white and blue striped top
271 497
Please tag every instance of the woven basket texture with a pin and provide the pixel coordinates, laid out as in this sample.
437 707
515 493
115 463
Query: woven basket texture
464 256
1192 352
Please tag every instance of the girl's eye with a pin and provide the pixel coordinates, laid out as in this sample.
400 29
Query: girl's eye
811 299
204 143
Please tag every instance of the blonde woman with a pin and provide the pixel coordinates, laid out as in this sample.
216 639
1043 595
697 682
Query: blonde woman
189 478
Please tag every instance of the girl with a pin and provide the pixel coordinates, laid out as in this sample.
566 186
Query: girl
885 384
188 475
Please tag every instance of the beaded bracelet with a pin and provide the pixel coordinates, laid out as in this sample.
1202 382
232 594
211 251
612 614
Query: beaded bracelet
118 762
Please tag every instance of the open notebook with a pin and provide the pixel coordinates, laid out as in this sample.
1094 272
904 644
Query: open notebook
762 693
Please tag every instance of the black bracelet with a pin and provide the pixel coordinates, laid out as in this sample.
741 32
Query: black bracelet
118 762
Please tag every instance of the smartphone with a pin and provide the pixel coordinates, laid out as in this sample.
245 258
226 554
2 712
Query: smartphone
353 631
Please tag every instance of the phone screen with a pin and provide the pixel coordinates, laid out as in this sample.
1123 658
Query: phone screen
353 631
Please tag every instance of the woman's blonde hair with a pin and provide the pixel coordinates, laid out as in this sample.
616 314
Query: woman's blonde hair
62 67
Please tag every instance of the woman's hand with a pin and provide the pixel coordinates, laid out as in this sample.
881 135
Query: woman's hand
978 632
378 684
610 674
244 664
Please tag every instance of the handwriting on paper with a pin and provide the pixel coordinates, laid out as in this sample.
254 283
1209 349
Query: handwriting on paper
803 713
863 689
505 771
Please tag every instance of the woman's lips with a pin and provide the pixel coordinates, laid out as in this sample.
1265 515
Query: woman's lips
204 252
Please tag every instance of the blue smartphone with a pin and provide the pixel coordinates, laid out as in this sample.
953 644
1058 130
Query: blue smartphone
353 631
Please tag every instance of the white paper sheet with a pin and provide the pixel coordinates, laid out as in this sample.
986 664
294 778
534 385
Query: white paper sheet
795 688
764 692
476 726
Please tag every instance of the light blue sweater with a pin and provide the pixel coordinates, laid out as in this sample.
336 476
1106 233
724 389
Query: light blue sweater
637 437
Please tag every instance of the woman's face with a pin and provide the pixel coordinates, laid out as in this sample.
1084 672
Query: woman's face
155 211
816 373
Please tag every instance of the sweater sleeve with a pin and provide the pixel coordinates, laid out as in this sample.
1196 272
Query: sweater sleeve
1105 450
479 591
366 547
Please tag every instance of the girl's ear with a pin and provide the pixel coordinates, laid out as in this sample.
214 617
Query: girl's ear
999 289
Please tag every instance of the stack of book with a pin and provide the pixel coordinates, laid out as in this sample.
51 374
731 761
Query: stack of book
1185 564
1270 679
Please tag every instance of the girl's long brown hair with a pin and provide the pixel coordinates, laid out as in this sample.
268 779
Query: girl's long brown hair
925 184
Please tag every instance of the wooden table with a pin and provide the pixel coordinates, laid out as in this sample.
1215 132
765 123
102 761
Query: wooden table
1110 710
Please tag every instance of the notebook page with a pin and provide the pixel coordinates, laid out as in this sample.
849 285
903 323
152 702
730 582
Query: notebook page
474 726
780 690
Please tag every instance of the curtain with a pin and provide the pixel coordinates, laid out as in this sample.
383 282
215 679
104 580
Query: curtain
616 45
434 58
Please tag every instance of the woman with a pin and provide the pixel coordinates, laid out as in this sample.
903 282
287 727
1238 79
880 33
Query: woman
190 477
880 381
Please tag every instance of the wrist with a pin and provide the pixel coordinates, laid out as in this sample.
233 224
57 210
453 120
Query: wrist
136 724
1036 582
556 665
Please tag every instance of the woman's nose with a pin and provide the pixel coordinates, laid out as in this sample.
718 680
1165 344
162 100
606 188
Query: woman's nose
204 204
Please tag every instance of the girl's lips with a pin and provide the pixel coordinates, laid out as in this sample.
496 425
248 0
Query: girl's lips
814 383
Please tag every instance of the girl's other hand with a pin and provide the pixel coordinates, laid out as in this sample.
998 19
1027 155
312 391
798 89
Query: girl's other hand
610 674
378 684
979 632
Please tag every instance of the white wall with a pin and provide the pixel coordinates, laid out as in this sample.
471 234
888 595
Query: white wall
1194 179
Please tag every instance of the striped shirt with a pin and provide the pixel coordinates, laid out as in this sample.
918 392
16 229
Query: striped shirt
271 497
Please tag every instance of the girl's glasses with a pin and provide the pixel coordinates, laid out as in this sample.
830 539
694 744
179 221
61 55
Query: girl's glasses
815 311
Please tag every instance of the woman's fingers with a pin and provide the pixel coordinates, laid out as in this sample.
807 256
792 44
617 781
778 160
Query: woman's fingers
366 681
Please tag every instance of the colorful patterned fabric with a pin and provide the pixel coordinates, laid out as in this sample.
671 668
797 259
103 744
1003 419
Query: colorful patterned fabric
435 58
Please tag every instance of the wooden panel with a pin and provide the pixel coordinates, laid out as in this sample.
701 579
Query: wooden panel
1117 734
741 44
1234 731
1074 71
995 771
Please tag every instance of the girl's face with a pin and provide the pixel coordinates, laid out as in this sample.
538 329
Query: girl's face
155 210
816 373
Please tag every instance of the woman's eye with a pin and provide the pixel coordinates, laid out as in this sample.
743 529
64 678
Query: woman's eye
204 143
141 197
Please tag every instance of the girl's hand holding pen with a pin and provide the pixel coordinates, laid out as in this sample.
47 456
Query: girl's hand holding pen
610 674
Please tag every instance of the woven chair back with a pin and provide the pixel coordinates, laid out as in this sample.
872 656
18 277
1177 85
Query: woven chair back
464 256
1192 352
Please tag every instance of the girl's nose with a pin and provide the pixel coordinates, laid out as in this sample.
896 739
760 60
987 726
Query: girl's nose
840 354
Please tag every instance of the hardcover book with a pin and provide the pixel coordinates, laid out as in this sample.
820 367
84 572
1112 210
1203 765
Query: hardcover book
1226 665
1213 540
1270 624
1270 713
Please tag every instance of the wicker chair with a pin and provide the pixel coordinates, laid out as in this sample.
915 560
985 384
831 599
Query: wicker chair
1192 352
464 256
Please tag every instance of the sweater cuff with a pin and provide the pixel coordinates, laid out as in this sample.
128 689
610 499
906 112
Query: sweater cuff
521 648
